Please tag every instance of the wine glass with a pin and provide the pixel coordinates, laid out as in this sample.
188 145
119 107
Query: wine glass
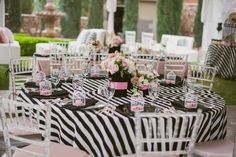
55 76
153 91
108 92
64 73
77 82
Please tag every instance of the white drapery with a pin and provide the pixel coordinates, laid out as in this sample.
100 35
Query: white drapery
2 13
111 8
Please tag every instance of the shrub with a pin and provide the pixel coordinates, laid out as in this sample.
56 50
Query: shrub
28 43
95 19
168 17
14 21
198 26
26 6
130 19
71 22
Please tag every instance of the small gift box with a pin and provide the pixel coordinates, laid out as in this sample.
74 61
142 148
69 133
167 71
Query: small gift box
38 77
79 98
191 100
45 88
171 78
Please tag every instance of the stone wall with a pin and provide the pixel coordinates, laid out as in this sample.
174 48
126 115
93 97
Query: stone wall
30 24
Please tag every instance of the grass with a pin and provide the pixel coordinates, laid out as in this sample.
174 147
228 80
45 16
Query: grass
225 88
4 83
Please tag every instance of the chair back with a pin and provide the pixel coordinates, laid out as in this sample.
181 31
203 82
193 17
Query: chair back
20 70
165 133
58 47
146 64
28 118
130 37
177 64
147 39
202 76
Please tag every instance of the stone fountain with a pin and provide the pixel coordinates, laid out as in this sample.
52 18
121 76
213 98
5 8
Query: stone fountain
50 16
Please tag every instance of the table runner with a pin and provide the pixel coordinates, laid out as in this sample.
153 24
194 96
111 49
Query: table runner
106 136
223 58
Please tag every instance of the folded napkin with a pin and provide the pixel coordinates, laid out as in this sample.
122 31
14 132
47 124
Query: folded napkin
179 105
55 94
95 77
125 109
41 55
89 102
178 82
33 85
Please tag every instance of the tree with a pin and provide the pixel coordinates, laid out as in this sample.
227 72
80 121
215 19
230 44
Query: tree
198 26
85 7
95 19
130 19
14 21
26 6
71 22
168 17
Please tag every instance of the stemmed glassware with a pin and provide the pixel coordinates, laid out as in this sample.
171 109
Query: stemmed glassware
153 91
55 78
108 92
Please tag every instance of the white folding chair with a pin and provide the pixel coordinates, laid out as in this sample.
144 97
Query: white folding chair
177 64
202 76
146 64
75 65
58 47
130 37
147 39
20 70
157 134
29 117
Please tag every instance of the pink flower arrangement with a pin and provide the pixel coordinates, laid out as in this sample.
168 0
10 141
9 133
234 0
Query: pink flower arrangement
116 62
142 79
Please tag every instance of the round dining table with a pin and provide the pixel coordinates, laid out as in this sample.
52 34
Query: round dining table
104 135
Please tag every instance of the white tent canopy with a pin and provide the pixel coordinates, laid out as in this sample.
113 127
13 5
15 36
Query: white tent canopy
2 13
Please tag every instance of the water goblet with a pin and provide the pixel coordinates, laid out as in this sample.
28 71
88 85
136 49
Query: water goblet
55 76
153 91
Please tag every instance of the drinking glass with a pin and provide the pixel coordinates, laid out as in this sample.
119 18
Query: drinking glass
77 82
64 73
153 91
55 76
108 92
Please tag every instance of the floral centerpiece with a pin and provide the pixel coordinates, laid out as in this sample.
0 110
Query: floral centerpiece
120 70
95 45
115 43
142 79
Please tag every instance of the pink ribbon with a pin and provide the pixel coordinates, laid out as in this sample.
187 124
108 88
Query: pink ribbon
144 87
119 85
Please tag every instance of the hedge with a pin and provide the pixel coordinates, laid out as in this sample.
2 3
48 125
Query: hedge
28 43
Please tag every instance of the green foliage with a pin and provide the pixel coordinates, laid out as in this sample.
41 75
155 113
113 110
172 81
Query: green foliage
4 79
168 17
130 19
26 6
85 7
28 43
14 21
198 26
95 19
71 23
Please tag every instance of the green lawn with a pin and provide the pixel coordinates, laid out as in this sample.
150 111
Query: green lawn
225 88
3 77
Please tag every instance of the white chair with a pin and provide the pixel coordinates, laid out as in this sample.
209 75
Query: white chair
58 47
20 70
202 76
146 64
177 64
29 117
130 37
147 39
160 136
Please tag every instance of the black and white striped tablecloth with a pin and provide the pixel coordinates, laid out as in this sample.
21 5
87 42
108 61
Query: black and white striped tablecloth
223 58
106 136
